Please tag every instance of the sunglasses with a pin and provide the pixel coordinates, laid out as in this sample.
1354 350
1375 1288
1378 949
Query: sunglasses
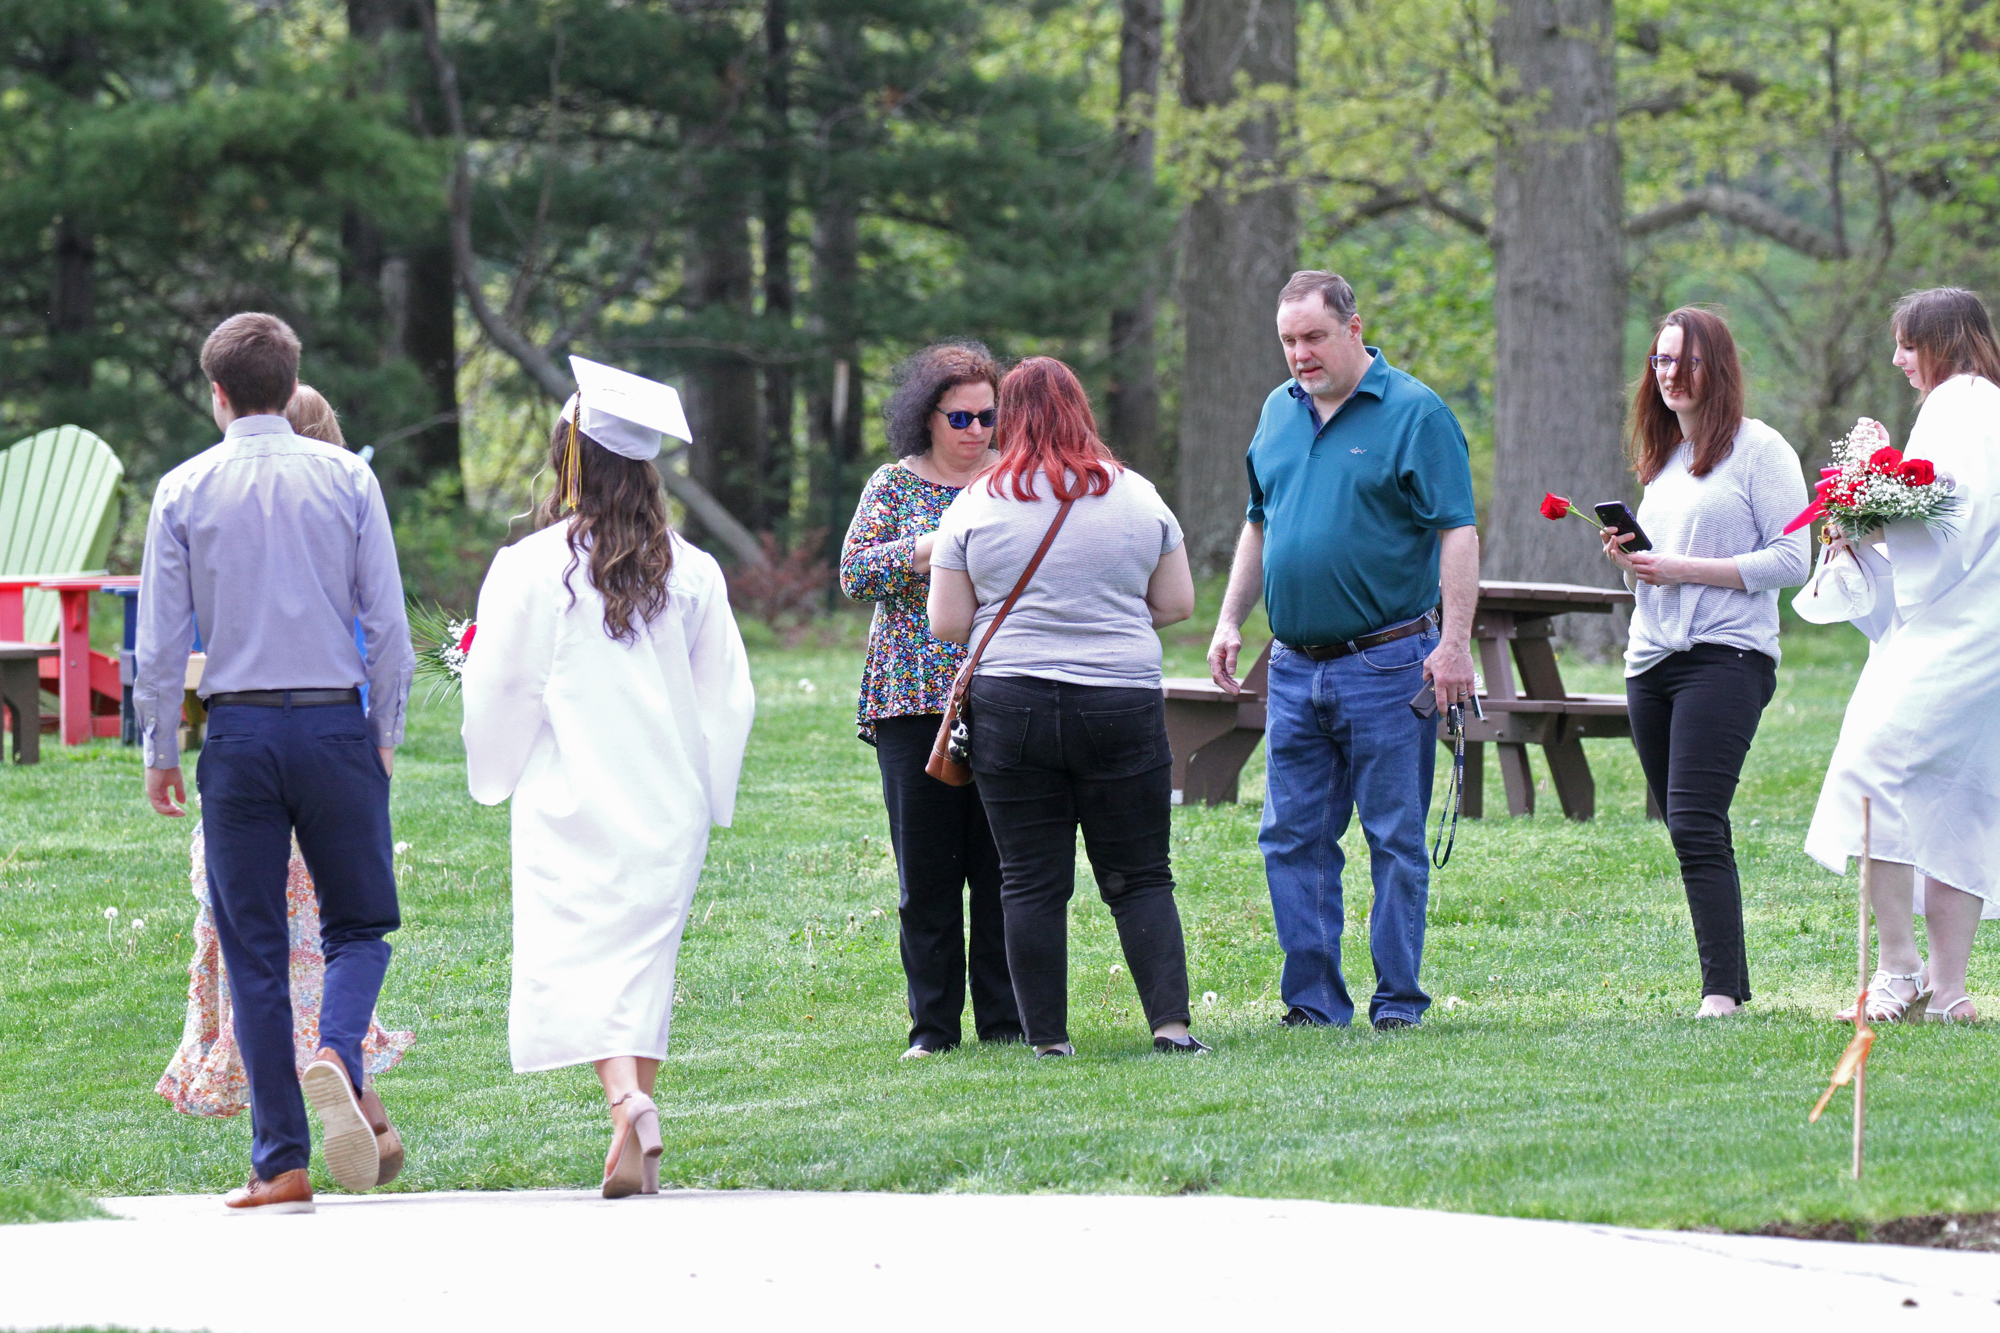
960 420
1662 362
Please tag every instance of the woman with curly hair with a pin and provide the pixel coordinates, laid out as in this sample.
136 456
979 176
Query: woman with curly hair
940 427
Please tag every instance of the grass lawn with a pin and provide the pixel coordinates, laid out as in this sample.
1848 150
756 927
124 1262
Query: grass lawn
1560 1074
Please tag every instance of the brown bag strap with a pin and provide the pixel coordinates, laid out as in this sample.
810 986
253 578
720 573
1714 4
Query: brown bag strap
964 679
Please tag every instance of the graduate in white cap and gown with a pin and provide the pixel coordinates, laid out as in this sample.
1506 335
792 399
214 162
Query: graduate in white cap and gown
607 694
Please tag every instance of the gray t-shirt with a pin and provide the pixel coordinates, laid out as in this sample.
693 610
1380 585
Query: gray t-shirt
1739 509
1083 618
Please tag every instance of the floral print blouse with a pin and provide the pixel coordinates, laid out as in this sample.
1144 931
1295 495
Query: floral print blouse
909 670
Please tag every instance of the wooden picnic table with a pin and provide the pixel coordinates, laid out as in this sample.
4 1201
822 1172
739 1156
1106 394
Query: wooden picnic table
21 695
1526 701
1213 733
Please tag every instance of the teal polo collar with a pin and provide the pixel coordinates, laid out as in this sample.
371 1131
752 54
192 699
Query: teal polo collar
1374 383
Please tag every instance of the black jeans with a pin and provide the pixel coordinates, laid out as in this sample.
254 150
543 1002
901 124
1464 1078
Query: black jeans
942 844
1051 757
1693 718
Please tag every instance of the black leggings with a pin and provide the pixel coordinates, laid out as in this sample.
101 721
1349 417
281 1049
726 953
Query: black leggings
943 848
1693 718
1052 758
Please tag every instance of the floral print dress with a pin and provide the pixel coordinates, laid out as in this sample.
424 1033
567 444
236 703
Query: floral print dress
909 670
205 1076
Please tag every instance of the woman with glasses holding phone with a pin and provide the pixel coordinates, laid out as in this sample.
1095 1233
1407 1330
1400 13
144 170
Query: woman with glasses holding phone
1703 655
940 427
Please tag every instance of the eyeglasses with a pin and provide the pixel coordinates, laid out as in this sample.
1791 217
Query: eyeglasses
1661 362
960 420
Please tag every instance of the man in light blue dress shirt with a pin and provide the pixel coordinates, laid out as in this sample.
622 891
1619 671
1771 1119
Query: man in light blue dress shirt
271 546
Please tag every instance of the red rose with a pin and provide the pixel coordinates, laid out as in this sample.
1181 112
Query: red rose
465 642
1555 506
1917 471
1886 459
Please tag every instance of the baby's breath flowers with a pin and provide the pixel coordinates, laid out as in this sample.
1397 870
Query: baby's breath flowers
1871 484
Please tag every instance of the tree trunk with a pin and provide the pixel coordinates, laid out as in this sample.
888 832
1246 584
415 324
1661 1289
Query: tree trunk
430 340
722 395
1559 301
774 460
1134 398
72 306
1239 252
834 402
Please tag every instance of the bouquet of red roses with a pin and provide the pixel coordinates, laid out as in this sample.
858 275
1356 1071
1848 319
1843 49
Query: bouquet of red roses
1871 483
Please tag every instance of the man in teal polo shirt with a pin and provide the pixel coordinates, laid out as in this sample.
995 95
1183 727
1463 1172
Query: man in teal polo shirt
1360 522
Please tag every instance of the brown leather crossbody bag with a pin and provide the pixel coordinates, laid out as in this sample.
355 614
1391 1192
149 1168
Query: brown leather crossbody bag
951 752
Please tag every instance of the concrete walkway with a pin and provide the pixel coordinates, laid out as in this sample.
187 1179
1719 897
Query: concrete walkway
560 1260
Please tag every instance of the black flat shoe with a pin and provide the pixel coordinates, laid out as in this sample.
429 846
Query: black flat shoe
1168 1046
1296 1017
1392 1024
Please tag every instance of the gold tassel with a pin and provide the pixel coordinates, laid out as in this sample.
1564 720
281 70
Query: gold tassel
574 473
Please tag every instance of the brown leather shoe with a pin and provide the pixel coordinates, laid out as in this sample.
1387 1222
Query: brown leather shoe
291 1192
353 1157
388 1143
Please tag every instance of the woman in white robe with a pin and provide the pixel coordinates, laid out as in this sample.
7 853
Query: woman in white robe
618 754
1922 734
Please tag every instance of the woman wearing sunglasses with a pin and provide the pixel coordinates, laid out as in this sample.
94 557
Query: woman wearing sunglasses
1702 661
940 427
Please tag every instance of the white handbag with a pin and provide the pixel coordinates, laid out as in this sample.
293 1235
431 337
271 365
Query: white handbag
1841 588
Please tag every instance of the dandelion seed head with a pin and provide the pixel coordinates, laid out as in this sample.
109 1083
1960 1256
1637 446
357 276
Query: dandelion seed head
138 923
1209 997
110 914
806 686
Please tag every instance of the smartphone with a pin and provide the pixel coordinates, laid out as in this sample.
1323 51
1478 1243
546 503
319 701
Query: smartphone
1617 515
1425 705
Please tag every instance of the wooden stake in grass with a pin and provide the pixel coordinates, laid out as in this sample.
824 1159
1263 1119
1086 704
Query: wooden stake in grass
1854 1060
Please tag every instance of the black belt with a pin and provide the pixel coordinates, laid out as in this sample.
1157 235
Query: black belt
280 698
1326 652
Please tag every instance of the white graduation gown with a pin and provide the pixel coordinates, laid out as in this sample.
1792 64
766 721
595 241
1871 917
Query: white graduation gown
618 758
1922 732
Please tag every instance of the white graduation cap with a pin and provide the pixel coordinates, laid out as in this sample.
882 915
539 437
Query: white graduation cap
625 413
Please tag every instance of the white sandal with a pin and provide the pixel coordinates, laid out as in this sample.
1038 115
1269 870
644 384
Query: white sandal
1947 1014
1884 1005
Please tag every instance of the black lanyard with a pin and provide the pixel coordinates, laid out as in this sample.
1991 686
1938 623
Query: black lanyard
1455 789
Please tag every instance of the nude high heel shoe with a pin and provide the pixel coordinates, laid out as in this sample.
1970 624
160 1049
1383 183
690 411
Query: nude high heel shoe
636 1170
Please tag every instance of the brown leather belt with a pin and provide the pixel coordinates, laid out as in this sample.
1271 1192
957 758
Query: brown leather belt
1326 652
280 698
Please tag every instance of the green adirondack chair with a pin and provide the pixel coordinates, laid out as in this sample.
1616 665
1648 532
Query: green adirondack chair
58 513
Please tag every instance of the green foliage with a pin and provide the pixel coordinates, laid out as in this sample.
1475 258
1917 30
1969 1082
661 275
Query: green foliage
174 161
444 547
40 1201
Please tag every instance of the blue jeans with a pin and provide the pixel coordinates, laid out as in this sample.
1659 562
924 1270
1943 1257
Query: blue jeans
1340 735
265 774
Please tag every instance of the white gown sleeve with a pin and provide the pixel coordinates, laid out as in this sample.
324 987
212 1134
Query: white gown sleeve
506 678
1956 431
723 693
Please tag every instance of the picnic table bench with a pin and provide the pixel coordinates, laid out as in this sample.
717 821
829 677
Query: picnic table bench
21 695
1212 733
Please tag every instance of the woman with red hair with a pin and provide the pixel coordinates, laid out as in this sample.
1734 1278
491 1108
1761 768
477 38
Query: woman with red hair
1068 725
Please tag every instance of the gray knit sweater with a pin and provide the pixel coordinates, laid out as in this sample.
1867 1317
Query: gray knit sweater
1739 509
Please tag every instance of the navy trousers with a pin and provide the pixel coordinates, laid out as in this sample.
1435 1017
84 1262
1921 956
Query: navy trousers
265 774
